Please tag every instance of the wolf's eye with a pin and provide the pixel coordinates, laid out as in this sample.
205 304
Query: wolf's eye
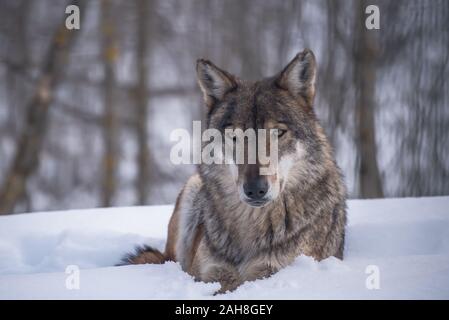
230 133
280 132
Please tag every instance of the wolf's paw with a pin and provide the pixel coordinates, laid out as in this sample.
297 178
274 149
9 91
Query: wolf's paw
227 287
228 278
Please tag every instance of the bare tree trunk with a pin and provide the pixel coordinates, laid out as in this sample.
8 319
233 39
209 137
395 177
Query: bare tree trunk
143 159
110 125
364 53
26 158
332 88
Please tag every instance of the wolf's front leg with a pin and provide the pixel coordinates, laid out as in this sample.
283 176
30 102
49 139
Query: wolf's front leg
257 270
227 276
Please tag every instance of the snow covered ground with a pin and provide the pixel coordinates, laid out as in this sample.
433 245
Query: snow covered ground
405 242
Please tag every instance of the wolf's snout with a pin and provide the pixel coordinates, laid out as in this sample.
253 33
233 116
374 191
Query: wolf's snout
256 189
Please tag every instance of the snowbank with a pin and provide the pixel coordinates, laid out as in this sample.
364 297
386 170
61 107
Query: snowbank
405 240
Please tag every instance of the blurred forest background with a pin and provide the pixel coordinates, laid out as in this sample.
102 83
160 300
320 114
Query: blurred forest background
85 116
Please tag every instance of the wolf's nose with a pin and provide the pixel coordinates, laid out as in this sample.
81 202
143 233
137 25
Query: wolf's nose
256 189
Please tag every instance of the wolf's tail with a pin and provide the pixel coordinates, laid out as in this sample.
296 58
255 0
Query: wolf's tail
143 254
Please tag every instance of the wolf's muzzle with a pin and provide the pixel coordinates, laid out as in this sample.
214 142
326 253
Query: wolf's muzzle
255 191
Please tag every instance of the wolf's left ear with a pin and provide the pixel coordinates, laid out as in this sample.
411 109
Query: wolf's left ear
298 77
213 81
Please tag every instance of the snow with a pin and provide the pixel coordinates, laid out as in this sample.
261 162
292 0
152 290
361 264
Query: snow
405 240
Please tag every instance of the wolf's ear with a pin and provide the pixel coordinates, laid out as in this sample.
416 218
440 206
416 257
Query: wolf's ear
298 77
213 81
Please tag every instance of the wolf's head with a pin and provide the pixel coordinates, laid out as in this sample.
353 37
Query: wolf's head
283 102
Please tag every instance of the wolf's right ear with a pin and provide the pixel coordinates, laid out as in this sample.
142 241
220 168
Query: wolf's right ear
213 81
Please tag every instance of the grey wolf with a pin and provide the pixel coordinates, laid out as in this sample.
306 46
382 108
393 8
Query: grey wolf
231 224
